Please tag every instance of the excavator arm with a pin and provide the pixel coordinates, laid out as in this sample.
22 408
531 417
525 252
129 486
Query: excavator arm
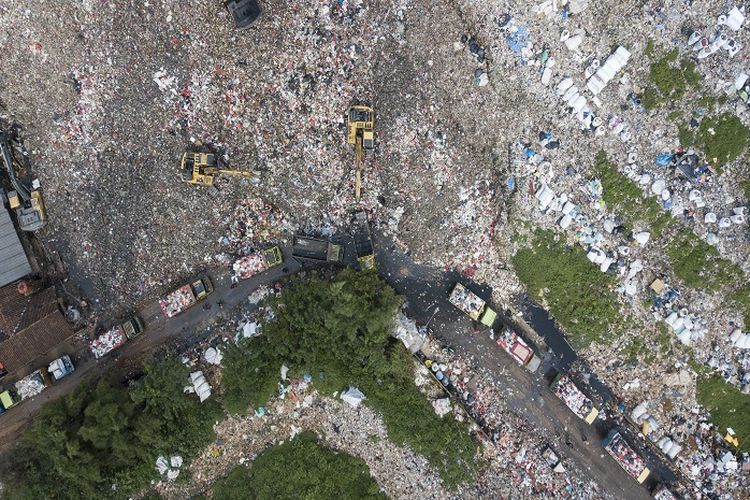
236 173
358 165
22 190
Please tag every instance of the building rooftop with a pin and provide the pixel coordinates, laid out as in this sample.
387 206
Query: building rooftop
14 264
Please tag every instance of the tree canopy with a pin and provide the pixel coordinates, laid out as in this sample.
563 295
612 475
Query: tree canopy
299 469
339 331
103 442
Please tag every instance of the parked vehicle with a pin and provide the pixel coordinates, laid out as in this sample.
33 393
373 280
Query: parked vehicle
256 263
626 456
305 247
468 302
115 337
514 345
60 368
565 389
32 384
186 296
363 240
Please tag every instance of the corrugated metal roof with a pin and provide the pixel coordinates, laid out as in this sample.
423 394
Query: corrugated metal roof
14 264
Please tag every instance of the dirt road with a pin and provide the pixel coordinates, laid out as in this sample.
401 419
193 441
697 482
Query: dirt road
426 292
159 332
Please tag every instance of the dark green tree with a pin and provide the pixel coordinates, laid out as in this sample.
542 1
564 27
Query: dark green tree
309 471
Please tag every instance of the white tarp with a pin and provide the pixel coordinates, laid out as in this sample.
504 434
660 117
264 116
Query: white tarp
162 466
200 385
213 356
406 331
250 329
442 406
353 396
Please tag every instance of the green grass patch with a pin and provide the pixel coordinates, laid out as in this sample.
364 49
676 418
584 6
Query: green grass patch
342 330
722 138
96 441
649 50
578 295
300 468
669 80
663 337
745 185
627 200
637 350
741 297
729 407
686 135
699 264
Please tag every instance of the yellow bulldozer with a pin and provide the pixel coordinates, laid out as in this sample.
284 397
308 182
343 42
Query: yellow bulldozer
201 169
360 124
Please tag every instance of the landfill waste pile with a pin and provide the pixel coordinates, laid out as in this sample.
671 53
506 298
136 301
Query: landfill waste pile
352 427
490 116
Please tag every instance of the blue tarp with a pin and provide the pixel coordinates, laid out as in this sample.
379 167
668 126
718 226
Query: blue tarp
517 39
664 159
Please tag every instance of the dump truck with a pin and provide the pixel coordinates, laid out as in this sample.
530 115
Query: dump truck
571 395
626 456
115 337
363 240
201 169
186 296
32 384
26 200
514 345
26 388
255 263
360 127
60 368
468 302
305 247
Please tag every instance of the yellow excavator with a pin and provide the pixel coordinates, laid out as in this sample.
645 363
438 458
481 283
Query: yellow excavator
24 199
360 124
201 169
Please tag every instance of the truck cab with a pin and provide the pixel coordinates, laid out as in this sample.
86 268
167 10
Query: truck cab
60 368
133 327
273 256
244 12
202 287
8 399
